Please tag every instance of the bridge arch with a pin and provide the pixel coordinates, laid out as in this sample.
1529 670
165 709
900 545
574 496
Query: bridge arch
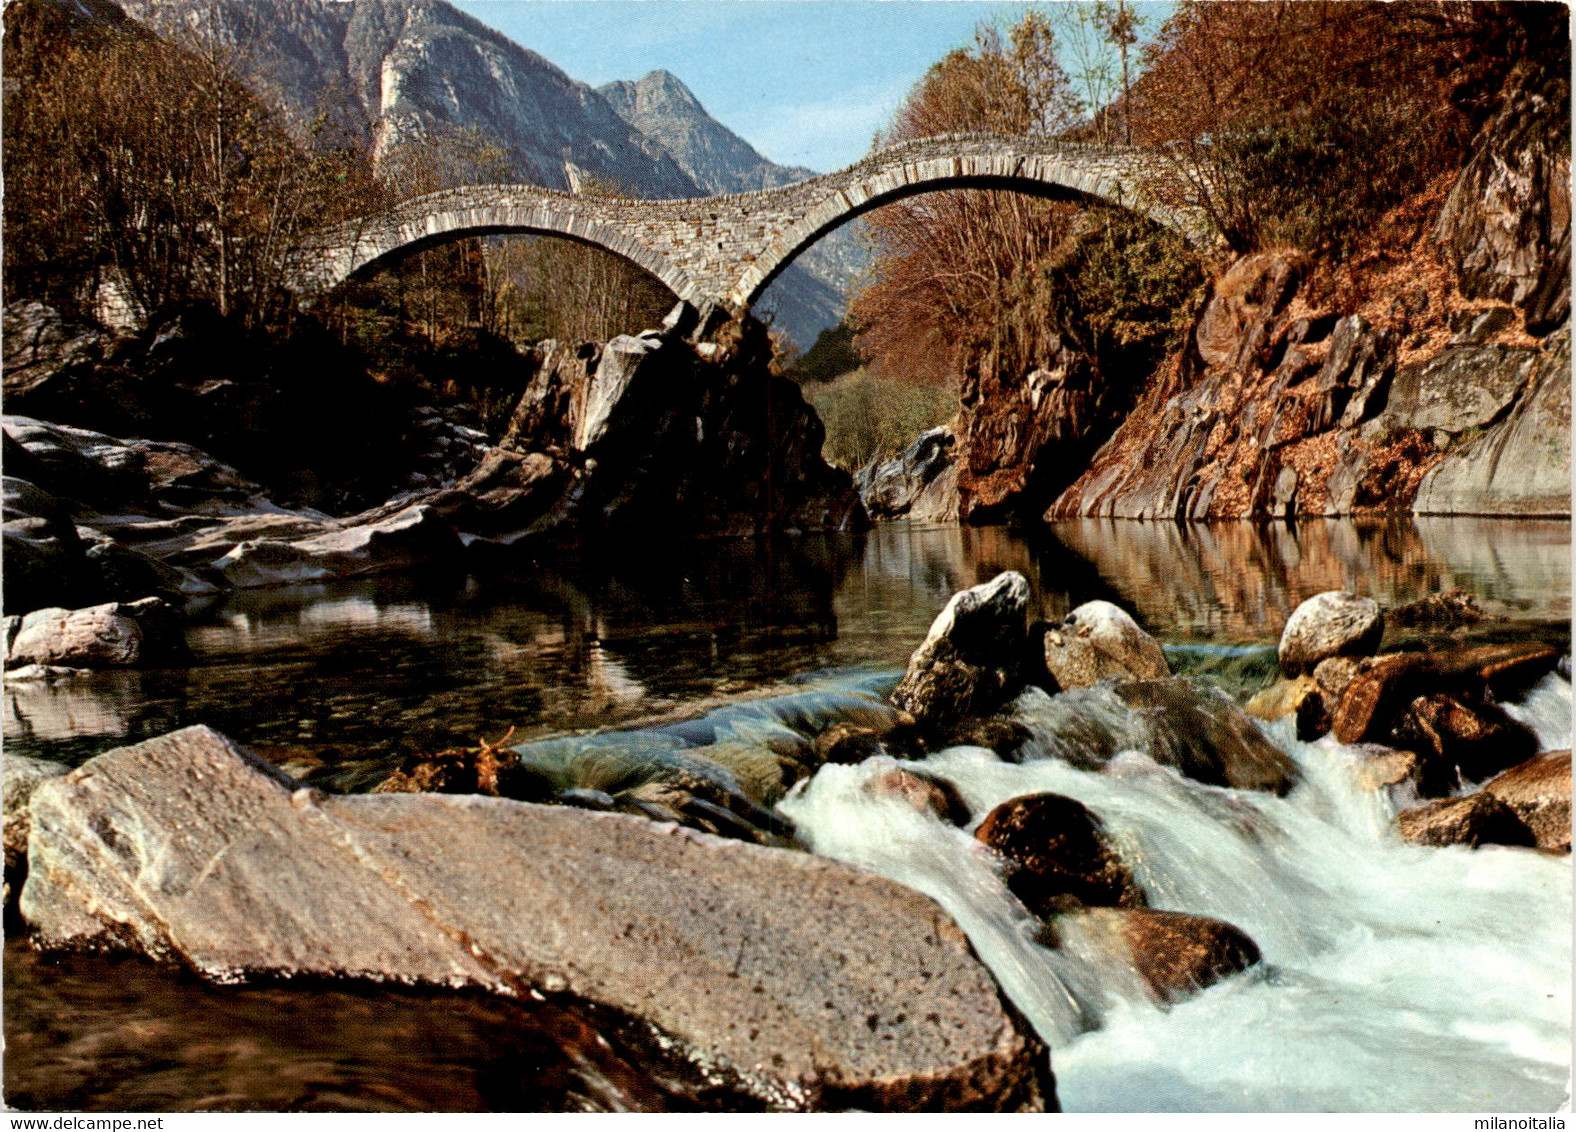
894 175
729 248
365 245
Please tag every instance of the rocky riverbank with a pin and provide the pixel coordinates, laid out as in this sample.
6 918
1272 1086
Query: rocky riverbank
1430 372
1427 372
644 433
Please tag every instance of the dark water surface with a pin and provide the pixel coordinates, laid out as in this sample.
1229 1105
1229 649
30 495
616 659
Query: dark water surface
338 683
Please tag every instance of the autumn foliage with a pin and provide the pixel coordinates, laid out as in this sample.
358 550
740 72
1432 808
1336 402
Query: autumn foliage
944 259
151 167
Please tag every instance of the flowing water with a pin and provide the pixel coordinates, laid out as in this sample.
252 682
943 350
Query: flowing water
1394 977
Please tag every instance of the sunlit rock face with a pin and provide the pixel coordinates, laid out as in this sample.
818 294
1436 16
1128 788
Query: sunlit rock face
1284 405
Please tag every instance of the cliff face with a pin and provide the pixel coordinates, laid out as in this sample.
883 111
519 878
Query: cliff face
395 69
1430 371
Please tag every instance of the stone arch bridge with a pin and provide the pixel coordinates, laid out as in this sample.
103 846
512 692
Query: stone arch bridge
729 248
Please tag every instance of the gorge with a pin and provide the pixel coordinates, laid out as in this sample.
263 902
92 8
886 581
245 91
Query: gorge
401 714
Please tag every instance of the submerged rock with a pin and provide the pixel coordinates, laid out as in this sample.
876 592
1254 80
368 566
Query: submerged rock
1334 623
1181 722
113 635
1174 954
1441 610
968 664
1061 856
1003 736
847 743
798 980
921 791
1199 730
1099 640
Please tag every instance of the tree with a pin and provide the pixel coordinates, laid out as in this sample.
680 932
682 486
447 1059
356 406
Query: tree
1381 97
159 171
943 260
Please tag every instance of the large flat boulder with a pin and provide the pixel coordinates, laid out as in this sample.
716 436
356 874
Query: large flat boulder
413 536
796 979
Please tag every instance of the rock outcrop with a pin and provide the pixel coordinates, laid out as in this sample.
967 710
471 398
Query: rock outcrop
1099 641
1522 464
893 488
795 979
1330 624
1506 223
1441 388
647 432
969 663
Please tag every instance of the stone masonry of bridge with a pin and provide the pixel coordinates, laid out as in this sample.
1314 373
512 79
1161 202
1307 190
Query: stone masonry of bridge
729 248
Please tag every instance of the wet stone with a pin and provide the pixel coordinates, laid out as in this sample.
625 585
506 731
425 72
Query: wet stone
1060 855
759 964
1173 953
1539 791
1334 623
1478 819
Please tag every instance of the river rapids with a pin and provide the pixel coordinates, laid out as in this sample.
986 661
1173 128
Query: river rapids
1395 978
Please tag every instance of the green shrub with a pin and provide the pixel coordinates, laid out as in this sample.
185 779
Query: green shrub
1316 182
867 417
833 355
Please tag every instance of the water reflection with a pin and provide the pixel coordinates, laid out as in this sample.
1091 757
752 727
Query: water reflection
121 1034
1241 580
339 683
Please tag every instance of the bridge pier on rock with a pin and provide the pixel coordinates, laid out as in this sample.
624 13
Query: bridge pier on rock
726 250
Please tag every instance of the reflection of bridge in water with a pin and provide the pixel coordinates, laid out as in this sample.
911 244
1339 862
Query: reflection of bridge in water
729 248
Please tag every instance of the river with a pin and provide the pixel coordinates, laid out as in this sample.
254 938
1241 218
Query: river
1390 980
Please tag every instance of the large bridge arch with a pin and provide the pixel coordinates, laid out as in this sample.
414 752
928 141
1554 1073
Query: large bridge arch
729 248
1083 173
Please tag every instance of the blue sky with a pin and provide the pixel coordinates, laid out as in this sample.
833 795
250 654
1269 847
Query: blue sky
806 82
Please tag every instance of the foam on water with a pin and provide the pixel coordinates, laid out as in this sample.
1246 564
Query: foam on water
1394 977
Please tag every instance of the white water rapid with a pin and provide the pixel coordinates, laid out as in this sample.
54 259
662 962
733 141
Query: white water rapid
1395 978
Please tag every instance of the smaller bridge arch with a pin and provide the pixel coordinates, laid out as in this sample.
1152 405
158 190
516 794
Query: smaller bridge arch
331 256
730 248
